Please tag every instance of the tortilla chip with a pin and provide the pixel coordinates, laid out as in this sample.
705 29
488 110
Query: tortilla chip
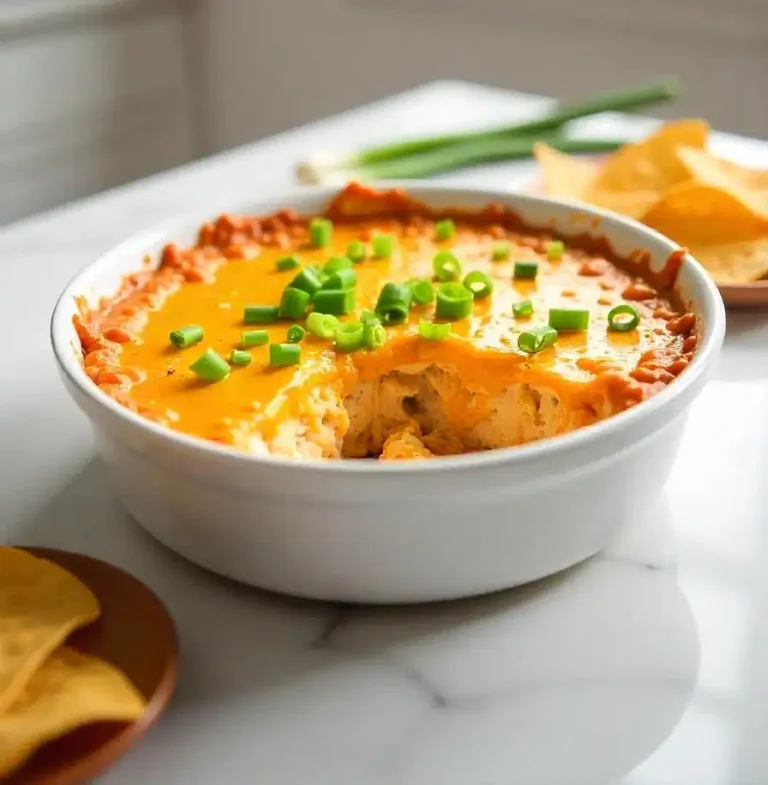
702 165
633 204
40 605
70 689
697 215
733 263
653 164
565 176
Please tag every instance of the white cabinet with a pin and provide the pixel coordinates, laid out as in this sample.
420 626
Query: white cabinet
92 95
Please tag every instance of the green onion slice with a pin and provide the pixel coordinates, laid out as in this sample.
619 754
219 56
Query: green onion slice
261 314
334 301
445 230
555 250
526 269
337 263
623 318
479 283
294 303
356 251
536 339
383 245
522 309
320 232
210 367
308 280
341 279
422 290
284 354
288 263
447 266
368 317
569 318
349 336
250 338
434 332
374 335
454 301
239 357
187 336
322 325
501 251
394 303
296 333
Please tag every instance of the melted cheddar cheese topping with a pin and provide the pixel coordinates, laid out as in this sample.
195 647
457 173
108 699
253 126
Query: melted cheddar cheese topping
412 397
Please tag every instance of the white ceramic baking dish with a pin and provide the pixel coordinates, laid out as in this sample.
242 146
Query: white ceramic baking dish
365 531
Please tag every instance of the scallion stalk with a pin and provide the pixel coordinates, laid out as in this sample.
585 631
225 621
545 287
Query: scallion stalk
321 167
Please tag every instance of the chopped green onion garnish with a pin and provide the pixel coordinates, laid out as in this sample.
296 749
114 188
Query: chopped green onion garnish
447 266
383 245
501 251
210 367
323 325
294 303
422 290
296 333
479 283
623 318
356 251
334 301
349 336
320 232
445 230
569 318
374 335
454 301
526 268
308 280
434 332
284 354
250 338
536 339
239 357
522 309
261 314
367 317
187 336
337 263
394 303
555 250
341 279
288 263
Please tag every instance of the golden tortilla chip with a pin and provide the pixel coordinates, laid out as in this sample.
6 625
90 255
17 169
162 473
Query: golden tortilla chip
653 164
70 689
733 263
697 214
565 176
702 165
633 204
40 605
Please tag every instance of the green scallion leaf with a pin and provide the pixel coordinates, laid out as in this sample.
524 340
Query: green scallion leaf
284 354
187 336
536 339
566 319
434 332
239 357
210 367
320 232
322 325
623 318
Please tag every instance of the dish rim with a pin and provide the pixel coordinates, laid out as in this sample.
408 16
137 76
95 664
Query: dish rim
60 324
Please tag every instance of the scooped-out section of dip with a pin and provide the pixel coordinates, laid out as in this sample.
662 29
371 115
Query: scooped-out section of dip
384 329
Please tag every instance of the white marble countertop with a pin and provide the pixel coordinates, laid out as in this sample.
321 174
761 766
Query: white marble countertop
646 666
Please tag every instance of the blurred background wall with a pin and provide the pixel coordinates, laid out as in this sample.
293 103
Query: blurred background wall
94 93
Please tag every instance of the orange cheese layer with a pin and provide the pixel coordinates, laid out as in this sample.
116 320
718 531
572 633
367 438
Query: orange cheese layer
127 351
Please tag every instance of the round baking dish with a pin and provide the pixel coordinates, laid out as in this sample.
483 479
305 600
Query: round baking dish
366 531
